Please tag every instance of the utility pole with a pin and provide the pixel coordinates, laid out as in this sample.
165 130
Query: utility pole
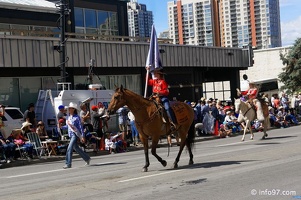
63 10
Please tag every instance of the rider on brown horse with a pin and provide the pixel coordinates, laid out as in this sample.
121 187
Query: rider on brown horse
160 89
251 95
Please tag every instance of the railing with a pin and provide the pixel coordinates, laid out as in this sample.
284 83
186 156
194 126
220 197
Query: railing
34 33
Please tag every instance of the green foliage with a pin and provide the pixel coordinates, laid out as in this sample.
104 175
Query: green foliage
291 75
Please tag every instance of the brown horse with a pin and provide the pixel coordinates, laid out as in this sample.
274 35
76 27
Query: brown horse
148 120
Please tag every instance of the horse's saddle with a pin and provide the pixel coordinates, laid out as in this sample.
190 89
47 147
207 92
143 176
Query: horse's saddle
264 106
178 108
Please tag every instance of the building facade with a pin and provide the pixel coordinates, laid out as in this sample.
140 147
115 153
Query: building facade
250 22
140 20
226 23
191 22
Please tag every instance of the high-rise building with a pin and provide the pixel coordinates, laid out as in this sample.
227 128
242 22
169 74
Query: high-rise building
226 23
139 19
192 22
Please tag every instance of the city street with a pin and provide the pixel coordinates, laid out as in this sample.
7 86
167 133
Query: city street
224 169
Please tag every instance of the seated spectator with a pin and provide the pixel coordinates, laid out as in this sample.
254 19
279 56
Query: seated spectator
121 145
231 122
41 131
8 149
224 131
272 116
92 140
257 126
19 140
110 143
281 122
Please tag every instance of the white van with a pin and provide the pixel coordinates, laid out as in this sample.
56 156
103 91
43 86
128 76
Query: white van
47 113
12 119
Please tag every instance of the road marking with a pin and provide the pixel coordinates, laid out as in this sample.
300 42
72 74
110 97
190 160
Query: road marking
50 171
142 177
30 174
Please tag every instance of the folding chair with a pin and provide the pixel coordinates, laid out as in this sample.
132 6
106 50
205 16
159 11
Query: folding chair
35 140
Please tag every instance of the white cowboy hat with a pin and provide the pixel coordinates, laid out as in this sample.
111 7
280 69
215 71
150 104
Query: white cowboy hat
228 112
25 124
192 104
72 105
280 107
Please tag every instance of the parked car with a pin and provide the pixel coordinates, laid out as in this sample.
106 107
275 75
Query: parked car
12 119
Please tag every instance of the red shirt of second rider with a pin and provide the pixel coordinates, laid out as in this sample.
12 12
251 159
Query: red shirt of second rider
159 86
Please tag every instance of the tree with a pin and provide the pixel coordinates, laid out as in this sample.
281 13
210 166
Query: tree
291 75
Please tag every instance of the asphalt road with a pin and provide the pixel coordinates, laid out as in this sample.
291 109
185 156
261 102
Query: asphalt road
223 169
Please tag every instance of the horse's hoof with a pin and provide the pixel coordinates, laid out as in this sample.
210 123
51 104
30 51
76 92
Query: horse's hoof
251 138
190 162
242 140
164 163
175 166
144 169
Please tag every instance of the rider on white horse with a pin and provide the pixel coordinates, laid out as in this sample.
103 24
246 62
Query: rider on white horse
251 95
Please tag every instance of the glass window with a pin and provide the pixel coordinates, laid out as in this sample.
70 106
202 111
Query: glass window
29 90
90 18
9 91
79 17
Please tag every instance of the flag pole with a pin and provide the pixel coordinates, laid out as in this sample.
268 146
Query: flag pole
146 80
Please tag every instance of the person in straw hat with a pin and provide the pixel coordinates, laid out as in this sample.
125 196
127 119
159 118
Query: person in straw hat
75 132
160 89
251 95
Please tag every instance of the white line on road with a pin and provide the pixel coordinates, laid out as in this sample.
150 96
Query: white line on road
37 173
142 177
50 171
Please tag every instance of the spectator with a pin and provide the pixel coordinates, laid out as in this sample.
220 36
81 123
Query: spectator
2 113
96 118
281 118
135 134
276 102
110 143
8 147
30 116
284 102
198 110
85 118
75 132
18 138
123 121
224 131
62 112
41 131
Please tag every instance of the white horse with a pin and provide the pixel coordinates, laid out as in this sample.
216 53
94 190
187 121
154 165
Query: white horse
248 114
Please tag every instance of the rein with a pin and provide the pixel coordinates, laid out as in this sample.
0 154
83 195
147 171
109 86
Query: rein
244 114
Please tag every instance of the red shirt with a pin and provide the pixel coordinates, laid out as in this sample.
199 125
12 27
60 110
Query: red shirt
251 93
159 86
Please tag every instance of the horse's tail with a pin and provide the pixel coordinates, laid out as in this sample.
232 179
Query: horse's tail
191 136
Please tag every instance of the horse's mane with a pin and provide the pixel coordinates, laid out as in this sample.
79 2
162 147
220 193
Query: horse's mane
135 94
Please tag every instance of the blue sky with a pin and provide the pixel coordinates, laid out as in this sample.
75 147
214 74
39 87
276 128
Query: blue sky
290 11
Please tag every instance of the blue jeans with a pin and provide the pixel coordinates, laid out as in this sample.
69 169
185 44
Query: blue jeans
168 109
9 150
134 130
73 145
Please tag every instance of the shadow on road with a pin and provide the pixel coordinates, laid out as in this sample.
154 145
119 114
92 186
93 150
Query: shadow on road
213 164
280 137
